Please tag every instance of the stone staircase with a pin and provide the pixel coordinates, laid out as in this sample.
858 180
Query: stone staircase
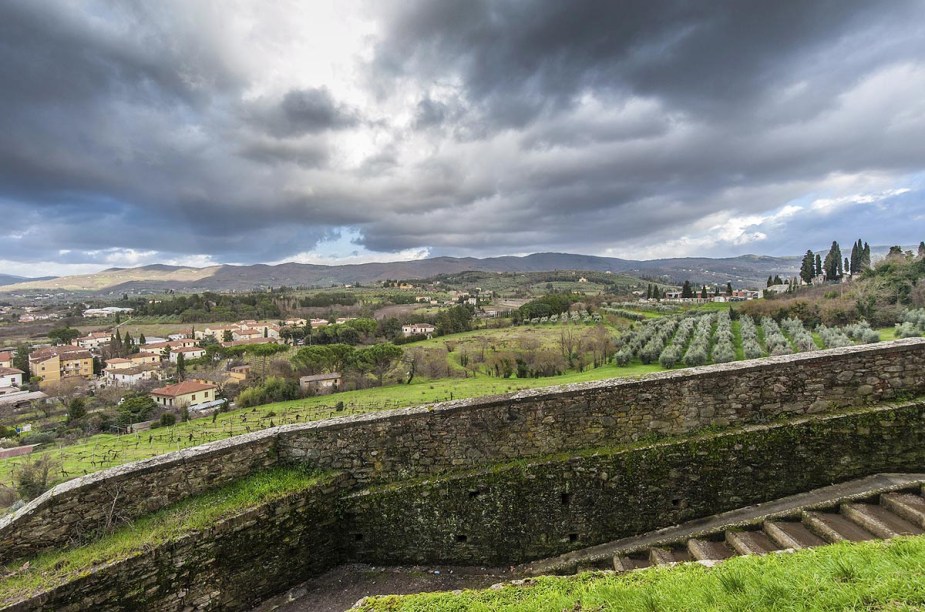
881 506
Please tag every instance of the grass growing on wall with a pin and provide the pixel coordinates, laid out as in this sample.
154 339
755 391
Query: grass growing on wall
192 514
879 575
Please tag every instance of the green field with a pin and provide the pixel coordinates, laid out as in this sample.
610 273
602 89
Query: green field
107 450
878 575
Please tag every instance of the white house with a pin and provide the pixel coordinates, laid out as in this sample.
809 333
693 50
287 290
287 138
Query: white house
10 377
131 376
415 329
188 352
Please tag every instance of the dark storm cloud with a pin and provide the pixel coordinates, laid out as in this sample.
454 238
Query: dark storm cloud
472 127
520 58
711 97
308 111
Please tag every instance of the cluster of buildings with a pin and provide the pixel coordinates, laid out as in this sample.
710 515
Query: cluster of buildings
108 311
239 332
738 295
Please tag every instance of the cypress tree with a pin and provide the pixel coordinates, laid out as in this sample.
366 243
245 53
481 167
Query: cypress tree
807 267
686 290
819 271
729 288
833 262
703 292
922 249
865 259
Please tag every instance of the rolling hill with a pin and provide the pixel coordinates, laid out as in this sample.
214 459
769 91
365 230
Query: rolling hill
744 270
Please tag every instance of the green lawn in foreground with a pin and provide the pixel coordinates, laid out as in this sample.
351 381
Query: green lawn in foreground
192 514
878 575
106 450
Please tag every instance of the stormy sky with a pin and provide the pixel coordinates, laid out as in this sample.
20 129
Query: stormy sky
240 131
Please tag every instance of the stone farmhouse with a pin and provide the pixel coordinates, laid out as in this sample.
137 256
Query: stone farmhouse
6 359
321 383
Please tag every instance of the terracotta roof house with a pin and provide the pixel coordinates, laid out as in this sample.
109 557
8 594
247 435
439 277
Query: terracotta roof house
186 393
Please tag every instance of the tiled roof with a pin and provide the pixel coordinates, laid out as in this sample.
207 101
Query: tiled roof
187 386
64 351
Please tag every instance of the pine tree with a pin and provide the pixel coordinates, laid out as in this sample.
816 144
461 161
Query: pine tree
686 290
806 267
777 280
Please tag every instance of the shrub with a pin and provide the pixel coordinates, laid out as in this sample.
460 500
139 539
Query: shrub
623 357
168 419
33 476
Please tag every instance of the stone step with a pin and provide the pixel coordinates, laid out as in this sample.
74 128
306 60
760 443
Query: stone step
626 563
660 556
791 534
707 550
751 542
878 520
907 505
833 527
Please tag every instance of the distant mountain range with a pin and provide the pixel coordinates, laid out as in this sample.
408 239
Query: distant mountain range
743 270
10 279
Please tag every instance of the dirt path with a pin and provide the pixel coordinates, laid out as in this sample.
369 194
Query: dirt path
342 587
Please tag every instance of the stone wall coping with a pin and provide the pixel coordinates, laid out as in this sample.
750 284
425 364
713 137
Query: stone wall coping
576 389
180 457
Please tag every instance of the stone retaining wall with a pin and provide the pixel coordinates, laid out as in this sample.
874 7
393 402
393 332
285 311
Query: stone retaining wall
232 566
523 512
77 510
457 435
464 434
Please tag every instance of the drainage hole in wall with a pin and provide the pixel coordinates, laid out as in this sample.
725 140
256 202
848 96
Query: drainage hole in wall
358 537
474 494
461 538
573 537
566 499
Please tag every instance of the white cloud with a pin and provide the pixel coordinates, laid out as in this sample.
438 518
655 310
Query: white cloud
830 205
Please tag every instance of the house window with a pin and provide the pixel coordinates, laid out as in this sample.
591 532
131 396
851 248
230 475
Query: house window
194 396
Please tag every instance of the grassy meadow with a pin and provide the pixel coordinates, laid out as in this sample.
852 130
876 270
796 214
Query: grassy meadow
877 575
